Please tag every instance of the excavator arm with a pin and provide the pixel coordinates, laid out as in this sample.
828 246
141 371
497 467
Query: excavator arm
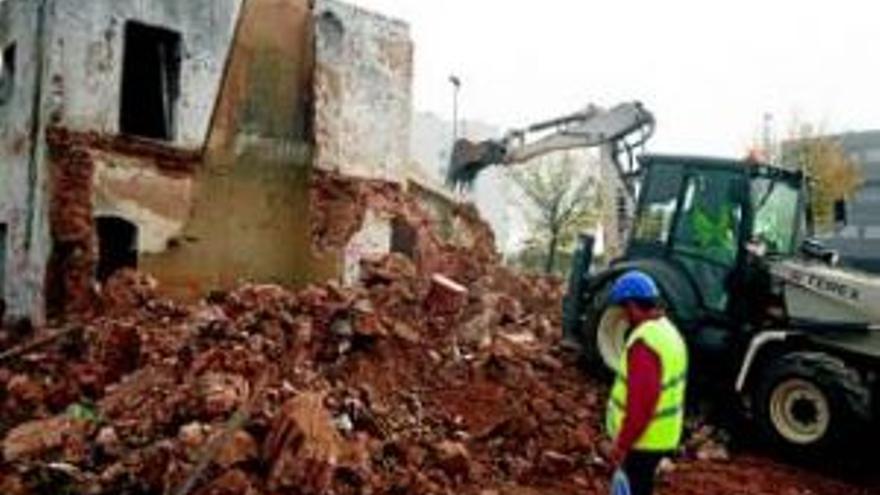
624 127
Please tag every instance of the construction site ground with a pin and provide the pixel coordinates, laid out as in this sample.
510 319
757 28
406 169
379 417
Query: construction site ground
402 385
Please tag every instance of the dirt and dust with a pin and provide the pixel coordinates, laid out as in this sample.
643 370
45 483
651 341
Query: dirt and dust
328 390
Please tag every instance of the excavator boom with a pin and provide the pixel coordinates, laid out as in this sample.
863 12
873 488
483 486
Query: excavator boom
624 127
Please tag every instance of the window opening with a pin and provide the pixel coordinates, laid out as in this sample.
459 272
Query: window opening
150 81
7 74
2 264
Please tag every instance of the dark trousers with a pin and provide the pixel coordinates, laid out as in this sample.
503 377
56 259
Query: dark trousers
640 468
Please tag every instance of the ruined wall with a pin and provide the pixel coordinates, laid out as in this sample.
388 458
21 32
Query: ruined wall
363 102
87 56
241 213
363 112
68 77
356 219
158 201
249 217
374 238
21 179
227 200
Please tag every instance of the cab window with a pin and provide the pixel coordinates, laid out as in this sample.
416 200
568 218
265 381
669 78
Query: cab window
775 204
659 203
711 216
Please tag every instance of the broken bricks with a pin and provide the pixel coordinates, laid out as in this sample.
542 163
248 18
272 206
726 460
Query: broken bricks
303 446
60 434
446 297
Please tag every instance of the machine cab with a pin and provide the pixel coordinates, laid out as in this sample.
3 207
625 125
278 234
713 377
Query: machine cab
705 216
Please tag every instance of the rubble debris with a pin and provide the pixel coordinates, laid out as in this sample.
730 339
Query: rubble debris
35 344
707 443
340 204
303 447
445 296
328 390
41 437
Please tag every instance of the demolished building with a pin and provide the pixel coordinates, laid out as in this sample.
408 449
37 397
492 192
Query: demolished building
198 142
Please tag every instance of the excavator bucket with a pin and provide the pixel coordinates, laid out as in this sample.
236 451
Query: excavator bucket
469 159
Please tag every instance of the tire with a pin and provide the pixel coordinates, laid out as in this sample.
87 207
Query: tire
810 404
603 335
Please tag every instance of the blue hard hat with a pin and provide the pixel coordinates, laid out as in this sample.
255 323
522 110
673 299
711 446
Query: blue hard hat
634 286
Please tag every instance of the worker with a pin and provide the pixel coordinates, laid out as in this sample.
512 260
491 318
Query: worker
645 417
714 230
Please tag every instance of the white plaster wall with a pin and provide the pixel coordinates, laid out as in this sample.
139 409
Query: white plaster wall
363 92
87 55
158 204
18 188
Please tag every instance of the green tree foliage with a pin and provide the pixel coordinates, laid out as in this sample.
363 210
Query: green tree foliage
561 201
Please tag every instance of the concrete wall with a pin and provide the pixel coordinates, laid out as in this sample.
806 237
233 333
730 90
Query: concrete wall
249 215
87 55
363 94
21 180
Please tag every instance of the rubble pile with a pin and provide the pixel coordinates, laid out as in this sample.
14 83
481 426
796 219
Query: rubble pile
329 390
411 382
374 389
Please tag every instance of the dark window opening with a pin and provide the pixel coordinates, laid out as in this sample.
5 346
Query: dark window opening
117 246
2 264
150 81
403 238
7 74
840 216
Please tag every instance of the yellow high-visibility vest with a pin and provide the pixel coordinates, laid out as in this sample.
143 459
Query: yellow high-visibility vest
665 430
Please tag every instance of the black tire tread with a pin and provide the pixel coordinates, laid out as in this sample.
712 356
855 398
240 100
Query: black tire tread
588 330
831 374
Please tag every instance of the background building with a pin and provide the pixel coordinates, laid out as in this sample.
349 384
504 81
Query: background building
858 239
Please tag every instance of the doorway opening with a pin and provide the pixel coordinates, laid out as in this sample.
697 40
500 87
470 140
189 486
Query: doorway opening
117 246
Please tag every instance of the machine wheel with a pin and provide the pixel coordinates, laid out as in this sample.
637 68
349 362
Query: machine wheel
603 335
810 403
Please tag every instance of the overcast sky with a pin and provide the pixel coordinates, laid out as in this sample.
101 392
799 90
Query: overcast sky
709 70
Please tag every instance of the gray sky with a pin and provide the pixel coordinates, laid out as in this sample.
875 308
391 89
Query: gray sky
709 70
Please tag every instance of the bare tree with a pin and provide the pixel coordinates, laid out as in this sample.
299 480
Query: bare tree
561 201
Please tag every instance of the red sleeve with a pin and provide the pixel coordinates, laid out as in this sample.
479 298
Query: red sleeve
643 385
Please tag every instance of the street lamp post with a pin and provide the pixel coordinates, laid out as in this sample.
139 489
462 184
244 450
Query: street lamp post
456 87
